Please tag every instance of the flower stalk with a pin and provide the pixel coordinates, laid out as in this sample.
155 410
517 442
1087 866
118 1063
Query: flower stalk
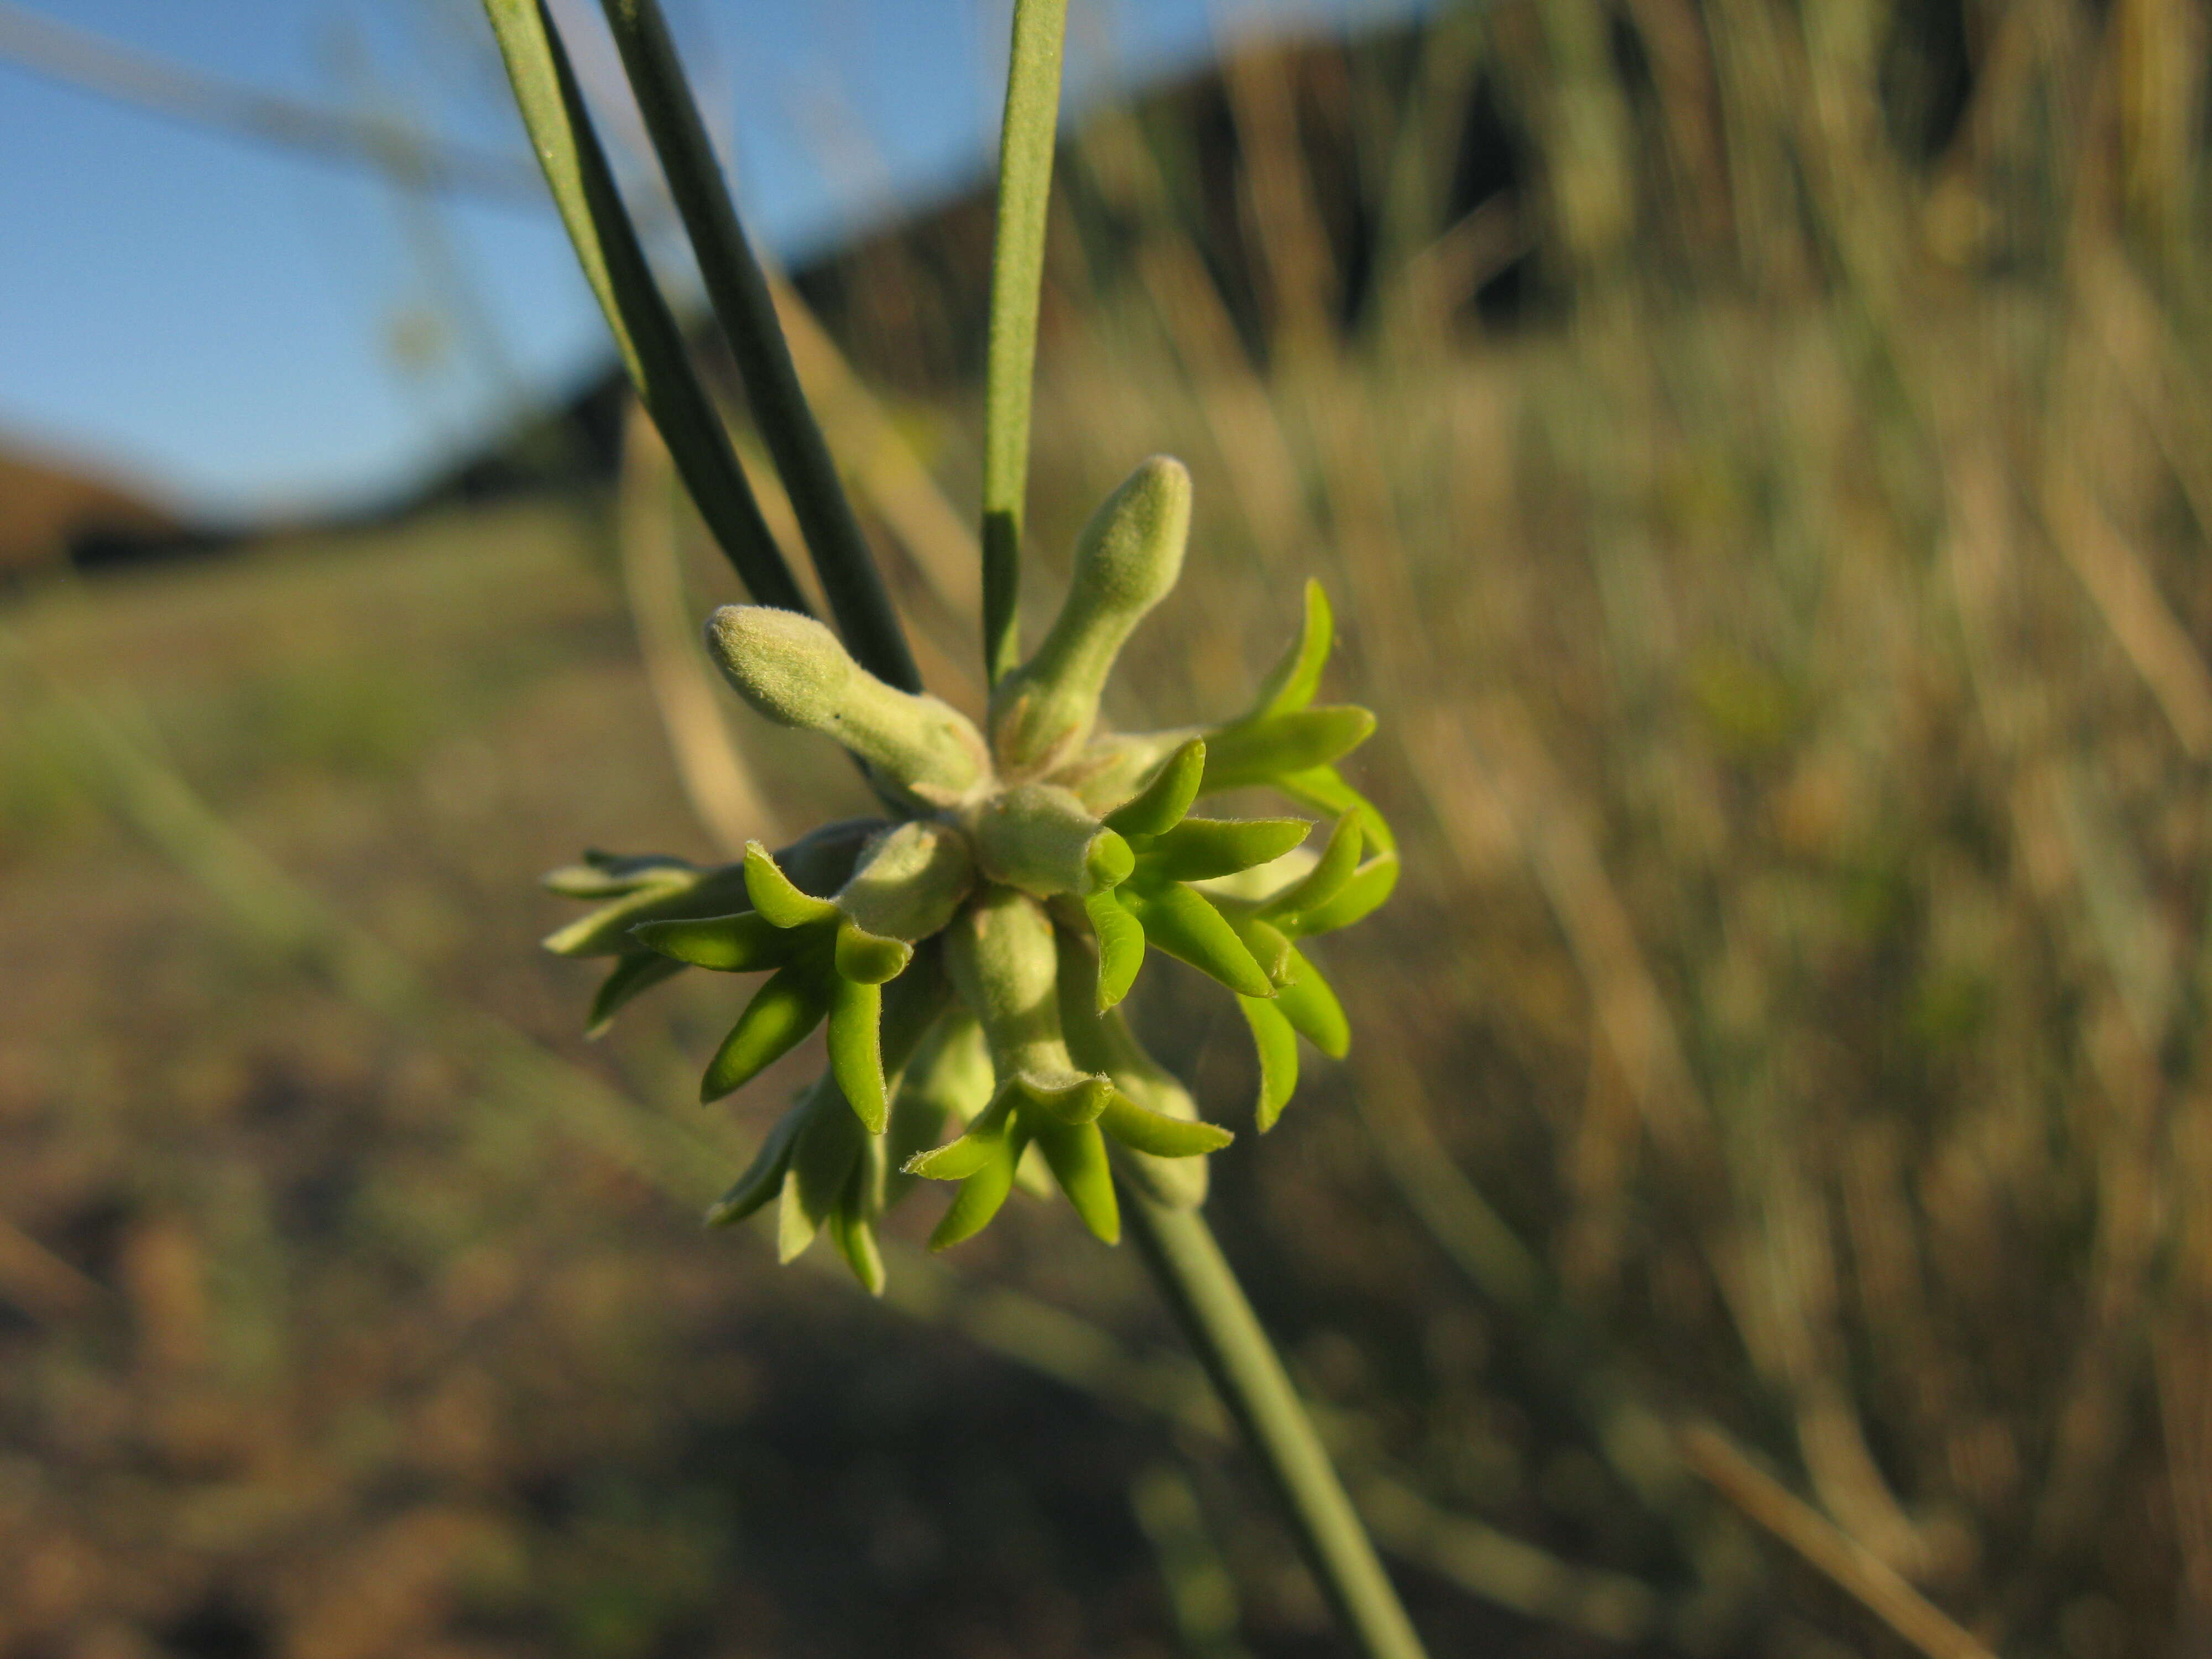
968 953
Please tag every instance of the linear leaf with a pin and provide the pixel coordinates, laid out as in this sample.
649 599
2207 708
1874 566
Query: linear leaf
645 330
1310 1004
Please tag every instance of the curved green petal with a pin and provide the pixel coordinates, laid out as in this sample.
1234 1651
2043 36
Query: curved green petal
1077 1153
1161 804
1199 849
1278 1044
774 1022
1186 926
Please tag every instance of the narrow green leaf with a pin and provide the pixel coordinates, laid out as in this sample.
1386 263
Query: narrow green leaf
746 943
1277 1043
1199 849
1026 134
981 1194
1290 685
1077 1153
1339 859
1160 805
739 295
1371 884
1145 1131
645 330
1260 751
774 1022
1120 946
1309 1003
634 974
776 896
856 1055
763 1176
1185 925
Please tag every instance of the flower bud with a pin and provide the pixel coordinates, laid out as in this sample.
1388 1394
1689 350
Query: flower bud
1126 561
1037 837
794 671
910 882
1005 965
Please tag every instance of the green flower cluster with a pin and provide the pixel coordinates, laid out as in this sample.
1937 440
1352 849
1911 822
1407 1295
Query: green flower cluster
969 956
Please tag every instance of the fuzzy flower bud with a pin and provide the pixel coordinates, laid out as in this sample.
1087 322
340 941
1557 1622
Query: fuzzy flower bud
1126 562
794 671
1037 837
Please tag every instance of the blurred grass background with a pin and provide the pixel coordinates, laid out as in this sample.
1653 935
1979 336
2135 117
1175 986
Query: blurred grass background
1762 452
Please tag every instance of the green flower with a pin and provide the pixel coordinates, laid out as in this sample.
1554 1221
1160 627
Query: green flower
969 956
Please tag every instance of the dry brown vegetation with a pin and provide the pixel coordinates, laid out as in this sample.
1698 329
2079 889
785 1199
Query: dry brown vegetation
1768 1199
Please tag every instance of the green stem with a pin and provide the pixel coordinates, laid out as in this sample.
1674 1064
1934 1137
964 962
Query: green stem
739 294
645 331
1200 1284
1016 275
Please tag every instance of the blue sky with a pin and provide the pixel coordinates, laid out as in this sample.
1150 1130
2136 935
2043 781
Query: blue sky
245 331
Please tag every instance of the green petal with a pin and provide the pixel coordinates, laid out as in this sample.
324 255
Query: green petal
605 875
606 931
853 1219
1312 1008
1277 1043
1323 789
1338 861
1266 943
633 975
774 1022
821 1162
743 943
854 1235
763 1176
1120 939
1156 1133
1290 685
776 896
1078 1097
981 1194
1159 806
1186 926
869 958
856 1054
1259 751
1369 886
1199 849
1077 1153
958 1159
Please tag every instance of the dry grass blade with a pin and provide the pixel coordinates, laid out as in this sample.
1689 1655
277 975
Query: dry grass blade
1845 1563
